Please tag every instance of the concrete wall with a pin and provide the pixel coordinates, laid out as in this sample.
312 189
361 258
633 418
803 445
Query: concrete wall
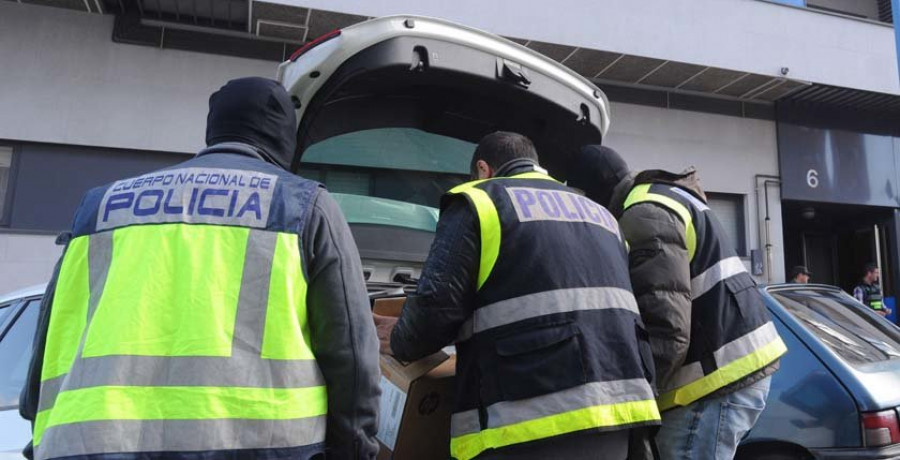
727 151
746 35
65 81
26 260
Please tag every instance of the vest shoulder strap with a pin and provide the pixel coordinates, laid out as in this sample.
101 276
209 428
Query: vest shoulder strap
641 194
489 219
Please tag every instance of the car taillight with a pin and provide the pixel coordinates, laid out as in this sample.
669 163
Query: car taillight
881 428
315 43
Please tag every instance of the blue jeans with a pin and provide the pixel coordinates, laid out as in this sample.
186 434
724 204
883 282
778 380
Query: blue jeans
711 428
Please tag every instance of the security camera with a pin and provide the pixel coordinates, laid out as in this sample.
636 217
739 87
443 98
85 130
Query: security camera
784 71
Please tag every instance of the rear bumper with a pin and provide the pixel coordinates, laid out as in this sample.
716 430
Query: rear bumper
866 453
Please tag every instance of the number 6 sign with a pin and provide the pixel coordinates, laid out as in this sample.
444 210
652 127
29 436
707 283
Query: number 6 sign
812 178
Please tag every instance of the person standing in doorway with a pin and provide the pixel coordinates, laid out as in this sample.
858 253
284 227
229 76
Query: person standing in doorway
799 275
868 291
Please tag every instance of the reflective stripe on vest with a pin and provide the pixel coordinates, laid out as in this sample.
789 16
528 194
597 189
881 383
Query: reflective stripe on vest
546 303
874 297
734 361
641 194
179 337
596 404
490 221
722 270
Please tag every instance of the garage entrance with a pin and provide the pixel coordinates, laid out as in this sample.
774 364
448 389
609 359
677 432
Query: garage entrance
836 241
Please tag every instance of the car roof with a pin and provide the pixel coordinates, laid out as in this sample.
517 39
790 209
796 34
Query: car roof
796 286
30 291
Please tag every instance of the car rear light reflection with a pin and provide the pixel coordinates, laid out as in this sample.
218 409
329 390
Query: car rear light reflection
881 428
315 43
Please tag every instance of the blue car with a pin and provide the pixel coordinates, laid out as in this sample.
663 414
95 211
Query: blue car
837 393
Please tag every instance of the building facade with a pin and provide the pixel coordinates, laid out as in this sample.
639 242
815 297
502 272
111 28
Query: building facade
750 92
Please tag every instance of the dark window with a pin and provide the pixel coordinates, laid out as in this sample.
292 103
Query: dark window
842 324
15 355
729 210
865 9
50 180
6 155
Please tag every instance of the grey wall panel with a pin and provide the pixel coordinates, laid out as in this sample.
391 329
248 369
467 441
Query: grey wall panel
51 179
836 166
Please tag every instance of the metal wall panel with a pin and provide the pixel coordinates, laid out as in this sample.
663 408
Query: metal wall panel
830 165
51 179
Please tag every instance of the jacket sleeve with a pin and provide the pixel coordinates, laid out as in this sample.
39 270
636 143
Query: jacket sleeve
859 294
31 392
342 332
660 275
432 317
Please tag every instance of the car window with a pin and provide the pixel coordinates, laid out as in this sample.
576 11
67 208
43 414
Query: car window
5 310
15 354
841 323
403 171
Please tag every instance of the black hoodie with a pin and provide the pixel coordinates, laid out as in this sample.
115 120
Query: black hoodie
254 111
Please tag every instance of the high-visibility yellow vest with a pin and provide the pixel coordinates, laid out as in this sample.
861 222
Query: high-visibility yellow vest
179 322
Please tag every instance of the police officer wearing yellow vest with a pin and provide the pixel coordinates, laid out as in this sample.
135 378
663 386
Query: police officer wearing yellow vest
867 291
713 342
215 309
531 282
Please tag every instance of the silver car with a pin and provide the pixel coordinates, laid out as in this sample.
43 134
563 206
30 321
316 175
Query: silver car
18 320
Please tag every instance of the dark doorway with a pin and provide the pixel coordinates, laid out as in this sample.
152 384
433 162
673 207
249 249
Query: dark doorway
835 241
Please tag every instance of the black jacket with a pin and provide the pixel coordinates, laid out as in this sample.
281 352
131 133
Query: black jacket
343 335
445 299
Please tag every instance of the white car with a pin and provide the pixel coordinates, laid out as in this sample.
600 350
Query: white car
390 111
18 320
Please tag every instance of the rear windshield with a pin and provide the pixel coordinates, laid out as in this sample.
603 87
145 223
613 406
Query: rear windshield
389 176
842 323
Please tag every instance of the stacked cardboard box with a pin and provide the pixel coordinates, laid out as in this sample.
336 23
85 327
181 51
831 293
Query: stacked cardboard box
416 401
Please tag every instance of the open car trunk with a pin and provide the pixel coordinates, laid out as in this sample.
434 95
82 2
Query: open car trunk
397 105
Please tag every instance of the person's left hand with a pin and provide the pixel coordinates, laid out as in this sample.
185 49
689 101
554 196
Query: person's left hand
384 325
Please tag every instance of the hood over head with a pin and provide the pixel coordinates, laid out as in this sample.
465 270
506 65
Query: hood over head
597 170
255 111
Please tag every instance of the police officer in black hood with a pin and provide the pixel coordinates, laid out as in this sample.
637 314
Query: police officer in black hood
267 268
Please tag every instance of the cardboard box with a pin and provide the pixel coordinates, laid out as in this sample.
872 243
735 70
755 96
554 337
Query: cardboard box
416 402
